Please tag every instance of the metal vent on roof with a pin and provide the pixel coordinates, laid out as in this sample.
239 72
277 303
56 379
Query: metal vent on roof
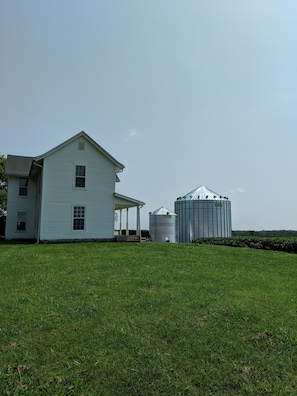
81 145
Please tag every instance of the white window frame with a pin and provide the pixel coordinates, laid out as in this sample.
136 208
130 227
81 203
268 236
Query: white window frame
23 188
78 213
78 176
21 219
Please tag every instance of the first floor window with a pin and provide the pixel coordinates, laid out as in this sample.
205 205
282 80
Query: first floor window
78 217
23 186
21 221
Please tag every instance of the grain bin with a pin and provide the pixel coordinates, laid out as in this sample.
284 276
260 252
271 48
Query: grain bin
162 225
202 213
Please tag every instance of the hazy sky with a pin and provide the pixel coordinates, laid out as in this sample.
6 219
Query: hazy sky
183 93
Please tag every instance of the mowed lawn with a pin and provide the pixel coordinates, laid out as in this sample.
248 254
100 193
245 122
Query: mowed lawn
147 319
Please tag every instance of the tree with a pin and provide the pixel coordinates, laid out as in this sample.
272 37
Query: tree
3 186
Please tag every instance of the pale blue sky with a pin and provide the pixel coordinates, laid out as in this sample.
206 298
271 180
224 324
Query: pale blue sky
183 93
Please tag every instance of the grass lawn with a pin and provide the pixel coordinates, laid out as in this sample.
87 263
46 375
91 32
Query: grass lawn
147 319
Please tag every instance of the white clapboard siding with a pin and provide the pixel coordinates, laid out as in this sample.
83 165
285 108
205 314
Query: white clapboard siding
17 204
59 194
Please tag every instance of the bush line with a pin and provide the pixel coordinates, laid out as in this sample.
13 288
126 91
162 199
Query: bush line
283 245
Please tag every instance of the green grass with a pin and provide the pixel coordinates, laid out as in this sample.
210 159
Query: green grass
147 319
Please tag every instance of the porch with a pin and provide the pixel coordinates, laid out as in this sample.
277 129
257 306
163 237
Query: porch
122 217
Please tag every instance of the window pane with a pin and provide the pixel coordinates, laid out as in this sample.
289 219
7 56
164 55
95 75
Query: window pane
21 216
21 221
80 182
23 182
23 191
21 226
23 186
79 211
80 170
78 224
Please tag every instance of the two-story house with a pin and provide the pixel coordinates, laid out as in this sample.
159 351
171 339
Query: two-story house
68 193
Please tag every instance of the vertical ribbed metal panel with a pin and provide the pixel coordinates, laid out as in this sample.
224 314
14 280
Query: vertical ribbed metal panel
202 219
162 227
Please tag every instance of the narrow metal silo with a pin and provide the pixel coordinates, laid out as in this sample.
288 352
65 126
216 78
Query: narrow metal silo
162 225
202 213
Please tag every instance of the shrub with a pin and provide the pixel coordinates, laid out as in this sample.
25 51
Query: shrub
285 245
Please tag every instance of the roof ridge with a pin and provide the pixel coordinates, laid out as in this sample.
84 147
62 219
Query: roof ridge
119 165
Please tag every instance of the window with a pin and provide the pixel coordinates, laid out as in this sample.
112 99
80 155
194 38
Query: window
23 186
21 221
78 217
80 176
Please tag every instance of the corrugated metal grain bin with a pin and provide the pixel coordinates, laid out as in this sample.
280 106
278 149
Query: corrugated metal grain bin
202 213
162 225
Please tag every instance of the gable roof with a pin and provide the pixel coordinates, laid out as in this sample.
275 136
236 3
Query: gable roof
17 165
119 166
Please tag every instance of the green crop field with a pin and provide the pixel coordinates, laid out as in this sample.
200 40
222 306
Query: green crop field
147 319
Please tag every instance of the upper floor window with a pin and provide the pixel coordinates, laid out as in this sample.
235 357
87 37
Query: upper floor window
80 176
23 186
21 221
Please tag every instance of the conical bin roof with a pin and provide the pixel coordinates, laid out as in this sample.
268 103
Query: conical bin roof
202 192
163 211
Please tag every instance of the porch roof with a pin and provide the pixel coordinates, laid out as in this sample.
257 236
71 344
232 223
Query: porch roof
123 202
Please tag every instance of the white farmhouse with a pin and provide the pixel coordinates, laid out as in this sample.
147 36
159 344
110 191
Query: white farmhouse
68 193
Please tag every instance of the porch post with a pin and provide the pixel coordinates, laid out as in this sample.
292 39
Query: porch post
138 232
120 221
127 222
